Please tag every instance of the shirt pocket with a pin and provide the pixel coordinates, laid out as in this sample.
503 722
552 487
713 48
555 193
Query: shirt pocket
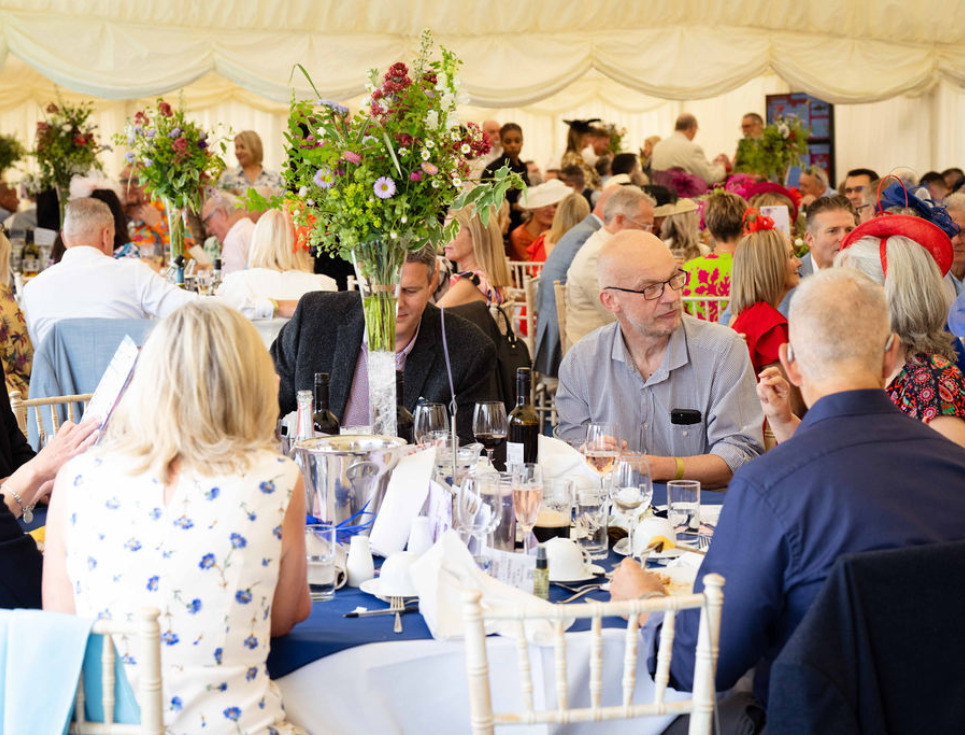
688 439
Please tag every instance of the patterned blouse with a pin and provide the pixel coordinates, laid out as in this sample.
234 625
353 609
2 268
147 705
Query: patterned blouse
208 559
928 386
16 352
494 296
709 276
236 180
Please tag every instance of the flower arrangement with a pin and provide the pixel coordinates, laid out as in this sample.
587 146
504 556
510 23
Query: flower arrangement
174 157
781 145
617 134
11 151
388 172
66 145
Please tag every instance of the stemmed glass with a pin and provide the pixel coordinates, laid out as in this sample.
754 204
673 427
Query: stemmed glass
490 425
478 508
601 447
527 498
631 488
429 418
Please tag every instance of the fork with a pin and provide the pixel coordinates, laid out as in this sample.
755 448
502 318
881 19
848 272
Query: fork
571 588
397 603
581 593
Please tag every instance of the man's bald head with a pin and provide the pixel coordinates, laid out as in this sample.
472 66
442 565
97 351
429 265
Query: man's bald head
838 324
630 254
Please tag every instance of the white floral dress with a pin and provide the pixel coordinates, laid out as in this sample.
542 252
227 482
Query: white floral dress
208 560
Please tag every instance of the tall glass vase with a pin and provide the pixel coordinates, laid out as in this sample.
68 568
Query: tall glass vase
378 269
176 228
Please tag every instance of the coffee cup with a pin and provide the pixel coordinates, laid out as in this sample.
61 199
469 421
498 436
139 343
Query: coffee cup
394 579
568 562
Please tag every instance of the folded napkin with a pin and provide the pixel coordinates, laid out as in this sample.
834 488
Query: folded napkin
559 459
442 574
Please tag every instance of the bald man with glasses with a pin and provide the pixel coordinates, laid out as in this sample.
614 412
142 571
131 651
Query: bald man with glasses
682 388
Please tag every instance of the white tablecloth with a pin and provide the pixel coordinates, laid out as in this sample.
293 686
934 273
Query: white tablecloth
420 687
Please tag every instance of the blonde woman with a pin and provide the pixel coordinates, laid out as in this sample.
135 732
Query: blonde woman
249 171
569 213
479 262
16 350
187 507
679 228
276 268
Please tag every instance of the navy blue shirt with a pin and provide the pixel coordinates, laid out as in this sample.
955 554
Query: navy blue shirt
858 475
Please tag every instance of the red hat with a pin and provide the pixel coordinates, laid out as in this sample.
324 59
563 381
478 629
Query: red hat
929 236
769 187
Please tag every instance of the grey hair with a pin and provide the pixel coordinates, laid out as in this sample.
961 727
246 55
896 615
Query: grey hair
916 296
626 201
85 219
955 202
838 321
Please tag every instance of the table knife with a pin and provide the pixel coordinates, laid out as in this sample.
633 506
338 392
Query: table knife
386 611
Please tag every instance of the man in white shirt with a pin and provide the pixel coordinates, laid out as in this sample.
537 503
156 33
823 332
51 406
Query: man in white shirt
223 219
680 151
628 208
88 282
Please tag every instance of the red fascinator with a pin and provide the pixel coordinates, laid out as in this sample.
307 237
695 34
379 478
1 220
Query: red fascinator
929 236
754 221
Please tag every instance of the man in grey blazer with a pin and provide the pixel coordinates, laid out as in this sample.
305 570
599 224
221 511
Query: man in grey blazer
325 335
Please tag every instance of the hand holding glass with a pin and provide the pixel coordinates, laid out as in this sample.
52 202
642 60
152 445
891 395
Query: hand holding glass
601 447
527 497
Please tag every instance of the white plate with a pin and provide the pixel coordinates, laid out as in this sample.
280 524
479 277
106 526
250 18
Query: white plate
620 547
590 571
372 587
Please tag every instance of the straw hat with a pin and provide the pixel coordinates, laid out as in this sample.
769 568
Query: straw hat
681 206
552 192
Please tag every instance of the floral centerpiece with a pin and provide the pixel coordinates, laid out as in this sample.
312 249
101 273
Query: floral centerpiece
377 184
66 145
617 134
175 161
11 151
780 146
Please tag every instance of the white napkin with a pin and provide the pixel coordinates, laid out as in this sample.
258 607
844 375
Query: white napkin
404 497
442 574
559 459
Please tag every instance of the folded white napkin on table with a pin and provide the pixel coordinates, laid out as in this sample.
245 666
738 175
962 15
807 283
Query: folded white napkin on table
559 459
442 574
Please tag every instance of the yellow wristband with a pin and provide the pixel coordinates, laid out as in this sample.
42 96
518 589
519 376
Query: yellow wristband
680 468
274 308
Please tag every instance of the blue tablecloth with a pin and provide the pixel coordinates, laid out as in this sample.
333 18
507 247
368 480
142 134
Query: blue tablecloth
326 631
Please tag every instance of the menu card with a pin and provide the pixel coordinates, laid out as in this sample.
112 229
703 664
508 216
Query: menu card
113 383
513 569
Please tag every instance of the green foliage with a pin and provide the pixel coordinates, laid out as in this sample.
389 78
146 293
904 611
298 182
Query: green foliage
11 151
66 145
782 144
175 159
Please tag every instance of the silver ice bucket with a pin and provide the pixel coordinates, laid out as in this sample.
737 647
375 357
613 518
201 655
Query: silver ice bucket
346 476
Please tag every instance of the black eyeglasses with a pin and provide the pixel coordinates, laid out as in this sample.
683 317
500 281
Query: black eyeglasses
655 290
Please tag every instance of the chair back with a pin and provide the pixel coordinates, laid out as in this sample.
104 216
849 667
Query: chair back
707 308
521 269
147 631
559 288
700 706
74 405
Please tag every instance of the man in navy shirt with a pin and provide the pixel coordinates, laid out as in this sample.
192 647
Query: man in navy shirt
856 475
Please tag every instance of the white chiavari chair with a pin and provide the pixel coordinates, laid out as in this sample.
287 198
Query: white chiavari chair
709 308
54 407
559 289
700 706
147 631
520 269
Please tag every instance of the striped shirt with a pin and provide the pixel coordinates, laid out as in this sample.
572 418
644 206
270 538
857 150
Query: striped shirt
357 406
705 368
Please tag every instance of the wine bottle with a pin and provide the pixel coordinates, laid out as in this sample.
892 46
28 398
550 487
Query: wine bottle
323 420
303 424
30 265
523 437
404 425
216 275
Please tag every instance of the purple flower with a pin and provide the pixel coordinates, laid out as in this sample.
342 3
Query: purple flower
324 178
176 133
129 156
384 187
151 133
429 168
202 145
148 162
352 157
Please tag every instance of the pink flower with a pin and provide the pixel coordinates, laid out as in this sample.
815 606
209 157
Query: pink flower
352 157
165 109
180 145
415 176
429 168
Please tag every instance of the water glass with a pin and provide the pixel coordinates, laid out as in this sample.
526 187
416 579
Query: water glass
320 549
429 418
204 279
504 537
631 489
556 513
683 505
592 511
601 447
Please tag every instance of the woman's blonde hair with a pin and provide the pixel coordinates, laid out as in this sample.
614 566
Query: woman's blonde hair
252 141
273 245
572 210
5 249
487 246
759 271
204 393
681 230
916 295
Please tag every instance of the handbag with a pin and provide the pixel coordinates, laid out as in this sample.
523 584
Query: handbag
511 353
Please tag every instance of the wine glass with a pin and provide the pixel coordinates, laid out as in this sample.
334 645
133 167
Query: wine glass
429 418
527 498
490 425
601 447
478 509
631 489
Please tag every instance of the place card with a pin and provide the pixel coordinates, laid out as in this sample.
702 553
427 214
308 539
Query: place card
404 498
514 569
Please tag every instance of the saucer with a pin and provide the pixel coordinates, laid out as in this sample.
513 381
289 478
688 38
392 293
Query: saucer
589 572
620 547
373 587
